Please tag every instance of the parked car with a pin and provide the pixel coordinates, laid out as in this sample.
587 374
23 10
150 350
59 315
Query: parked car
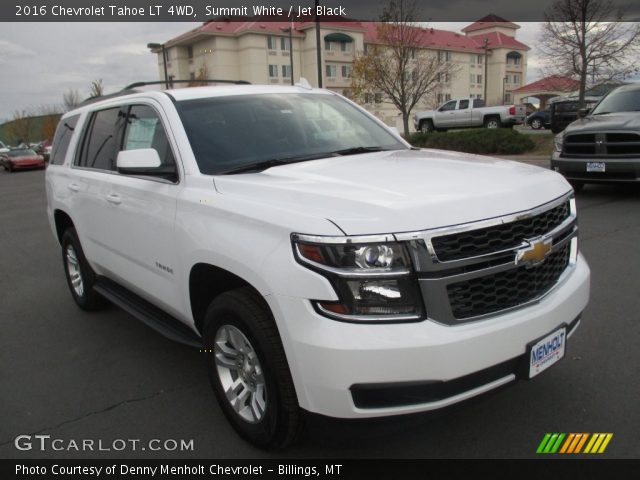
539 119
21 159
3 148
325 265
529 108
468 112
604 146
563 111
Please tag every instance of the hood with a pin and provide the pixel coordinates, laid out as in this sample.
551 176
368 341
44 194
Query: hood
608 121
406 190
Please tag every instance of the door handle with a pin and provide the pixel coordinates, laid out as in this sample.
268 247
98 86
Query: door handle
74 187
113 198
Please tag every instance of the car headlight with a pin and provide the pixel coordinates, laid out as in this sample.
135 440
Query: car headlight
557 142
373 277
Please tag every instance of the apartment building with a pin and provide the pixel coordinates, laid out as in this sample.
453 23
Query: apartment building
490 61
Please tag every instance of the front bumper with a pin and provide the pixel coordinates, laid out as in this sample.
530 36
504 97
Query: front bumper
330 359
616 170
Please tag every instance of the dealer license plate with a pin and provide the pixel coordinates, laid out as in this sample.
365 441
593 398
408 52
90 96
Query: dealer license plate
596 167
547 351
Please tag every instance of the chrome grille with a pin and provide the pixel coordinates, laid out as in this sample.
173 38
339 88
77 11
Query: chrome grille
499 237
474 271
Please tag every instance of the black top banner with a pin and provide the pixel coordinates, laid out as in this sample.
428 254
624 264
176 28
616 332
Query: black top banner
285 10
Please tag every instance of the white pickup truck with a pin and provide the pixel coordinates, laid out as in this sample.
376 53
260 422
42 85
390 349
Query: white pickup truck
467 113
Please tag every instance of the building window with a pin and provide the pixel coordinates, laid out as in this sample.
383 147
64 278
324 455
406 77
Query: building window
329 46
190 52
346 71
377 98
284 44
368 98
345 47
444 56
443 77
192 76
479 79
479 59
271 43
273 71
331 70
507 98
286 71
516 79
440 99
514 58
472 78
447 97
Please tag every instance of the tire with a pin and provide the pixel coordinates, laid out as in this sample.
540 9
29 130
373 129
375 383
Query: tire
577 185
248 368
80 276
536 124
426 126
492 122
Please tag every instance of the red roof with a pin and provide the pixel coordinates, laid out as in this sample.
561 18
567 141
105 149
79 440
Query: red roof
499 40
554 83
429 37
490 21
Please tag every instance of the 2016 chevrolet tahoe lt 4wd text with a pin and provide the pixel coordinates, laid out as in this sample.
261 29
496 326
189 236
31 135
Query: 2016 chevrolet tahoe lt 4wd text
322 263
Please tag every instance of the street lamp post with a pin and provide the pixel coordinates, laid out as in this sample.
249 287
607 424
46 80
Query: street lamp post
156 46
485 45
318 52
504 92
290 30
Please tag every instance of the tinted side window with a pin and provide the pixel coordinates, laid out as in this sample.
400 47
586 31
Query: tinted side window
144 130
100 143
61 139
464 104
478 103
448 106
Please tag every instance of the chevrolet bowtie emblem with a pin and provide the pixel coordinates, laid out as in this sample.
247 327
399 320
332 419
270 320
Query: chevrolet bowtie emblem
535 253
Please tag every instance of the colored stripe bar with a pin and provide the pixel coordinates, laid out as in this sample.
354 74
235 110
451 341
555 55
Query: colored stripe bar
591 442
543 443
550 443
606 442
599 440
581 442
567 443
555 448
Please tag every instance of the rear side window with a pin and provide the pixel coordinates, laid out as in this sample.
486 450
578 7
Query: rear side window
100 143
62 138
464 104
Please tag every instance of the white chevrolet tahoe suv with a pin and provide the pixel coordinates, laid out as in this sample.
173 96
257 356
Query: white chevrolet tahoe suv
317 260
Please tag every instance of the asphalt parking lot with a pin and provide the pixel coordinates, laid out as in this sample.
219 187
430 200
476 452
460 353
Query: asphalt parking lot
105 376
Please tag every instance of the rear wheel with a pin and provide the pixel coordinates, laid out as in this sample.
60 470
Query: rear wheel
492 122
536 124
80 276
248 369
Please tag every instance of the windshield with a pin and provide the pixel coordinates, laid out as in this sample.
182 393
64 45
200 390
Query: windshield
21 153
227 133
619 101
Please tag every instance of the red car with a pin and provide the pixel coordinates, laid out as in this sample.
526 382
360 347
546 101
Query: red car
21 159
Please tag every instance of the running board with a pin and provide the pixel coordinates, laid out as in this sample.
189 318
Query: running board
147 313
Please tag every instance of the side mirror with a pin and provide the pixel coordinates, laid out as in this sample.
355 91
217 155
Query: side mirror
583 112
144 162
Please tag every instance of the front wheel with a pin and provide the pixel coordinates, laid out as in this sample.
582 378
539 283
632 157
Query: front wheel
426 126
248 369
492 122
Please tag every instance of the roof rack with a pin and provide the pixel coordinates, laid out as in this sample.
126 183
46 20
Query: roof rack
129 89
171 82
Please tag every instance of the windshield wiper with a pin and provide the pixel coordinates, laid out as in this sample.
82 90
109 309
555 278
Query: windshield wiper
273 162
356 150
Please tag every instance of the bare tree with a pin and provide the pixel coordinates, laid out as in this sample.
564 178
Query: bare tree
71 99
20 126
398 65
586 44
96 89
51 115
